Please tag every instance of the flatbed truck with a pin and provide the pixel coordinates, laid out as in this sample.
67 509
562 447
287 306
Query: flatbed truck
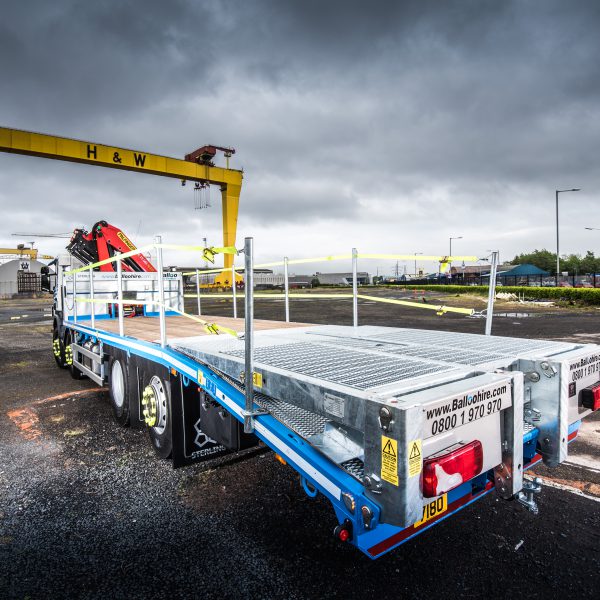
398 428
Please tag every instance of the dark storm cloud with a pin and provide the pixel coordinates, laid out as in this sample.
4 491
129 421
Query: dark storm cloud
337 109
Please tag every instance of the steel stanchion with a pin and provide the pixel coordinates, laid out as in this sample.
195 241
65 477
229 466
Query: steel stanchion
120 297
161 294
233 291
93 304
491 294
286 285
198 292
354 287
248 333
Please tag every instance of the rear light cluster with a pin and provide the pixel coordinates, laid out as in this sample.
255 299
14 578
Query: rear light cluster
442 473
590 397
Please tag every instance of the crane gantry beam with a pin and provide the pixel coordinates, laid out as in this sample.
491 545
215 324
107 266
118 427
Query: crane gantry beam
91 153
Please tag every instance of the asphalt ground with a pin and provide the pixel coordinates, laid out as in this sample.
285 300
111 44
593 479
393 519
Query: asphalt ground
88 511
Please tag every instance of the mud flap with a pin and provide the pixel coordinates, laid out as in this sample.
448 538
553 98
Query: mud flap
190 443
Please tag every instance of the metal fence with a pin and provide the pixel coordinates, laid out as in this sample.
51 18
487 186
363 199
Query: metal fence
581 281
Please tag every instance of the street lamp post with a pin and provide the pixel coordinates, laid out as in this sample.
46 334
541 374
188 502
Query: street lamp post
416 253
454 238
460 237
557 241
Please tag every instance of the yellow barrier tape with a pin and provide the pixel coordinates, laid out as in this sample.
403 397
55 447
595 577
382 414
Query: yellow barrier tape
242 295
419 257
213 328
210 253
439 309
225 250
433 258
216 270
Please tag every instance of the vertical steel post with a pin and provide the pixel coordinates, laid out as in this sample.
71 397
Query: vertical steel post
354 287
491 294
161 293
93 304
75 297
120 297
557 244
248 333
198 291
286 287
233 291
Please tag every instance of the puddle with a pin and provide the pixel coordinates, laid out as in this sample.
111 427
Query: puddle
513 315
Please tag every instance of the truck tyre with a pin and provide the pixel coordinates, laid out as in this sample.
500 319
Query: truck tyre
73 370
156 410
58 349
118 389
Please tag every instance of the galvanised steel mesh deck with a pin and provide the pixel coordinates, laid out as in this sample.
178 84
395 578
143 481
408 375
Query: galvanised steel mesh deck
443 346
350 367
364 359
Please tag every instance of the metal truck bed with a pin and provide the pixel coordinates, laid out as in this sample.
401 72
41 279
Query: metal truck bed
346 390
362 412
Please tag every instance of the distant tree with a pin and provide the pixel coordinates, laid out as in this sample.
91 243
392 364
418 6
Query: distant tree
314 282
590 263
573 263
544 259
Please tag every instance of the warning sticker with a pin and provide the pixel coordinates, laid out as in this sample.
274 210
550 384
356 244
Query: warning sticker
257 379
389 460
334 405
415 462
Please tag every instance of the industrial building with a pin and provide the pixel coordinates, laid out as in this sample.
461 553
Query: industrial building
20 276
362 277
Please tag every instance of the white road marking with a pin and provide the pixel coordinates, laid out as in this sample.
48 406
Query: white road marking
568 488
584 461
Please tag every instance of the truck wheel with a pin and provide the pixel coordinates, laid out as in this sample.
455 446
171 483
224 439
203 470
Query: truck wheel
118 389
156 410
73 370
58 349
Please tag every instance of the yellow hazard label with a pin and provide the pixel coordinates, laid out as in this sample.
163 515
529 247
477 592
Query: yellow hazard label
415 458
257 379
389 460
201 378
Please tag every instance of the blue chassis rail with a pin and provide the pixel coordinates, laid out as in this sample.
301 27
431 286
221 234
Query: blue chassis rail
326 477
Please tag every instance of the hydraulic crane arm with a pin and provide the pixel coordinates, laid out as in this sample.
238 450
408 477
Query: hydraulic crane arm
104 241
59 148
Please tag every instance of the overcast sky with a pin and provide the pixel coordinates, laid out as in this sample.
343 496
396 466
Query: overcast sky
389 126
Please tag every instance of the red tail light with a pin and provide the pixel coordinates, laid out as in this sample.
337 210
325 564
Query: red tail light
443 473
590 397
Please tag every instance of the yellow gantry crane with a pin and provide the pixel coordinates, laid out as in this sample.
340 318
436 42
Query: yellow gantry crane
31 254
196 167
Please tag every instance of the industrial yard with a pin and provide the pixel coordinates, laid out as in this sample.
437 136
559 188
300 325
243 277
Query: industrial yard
299 300
85 498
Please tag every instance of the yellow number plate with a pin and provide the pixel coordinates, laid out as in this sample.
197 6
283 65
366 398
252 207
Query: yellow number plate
433 509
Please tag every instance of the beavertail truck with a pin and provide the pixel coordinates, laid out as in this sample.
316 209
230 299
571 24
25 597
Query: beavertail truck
397 428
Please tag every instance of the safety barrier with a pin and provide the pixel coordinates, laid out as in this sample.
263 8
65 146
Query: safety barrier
444 262
209 254
213 328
